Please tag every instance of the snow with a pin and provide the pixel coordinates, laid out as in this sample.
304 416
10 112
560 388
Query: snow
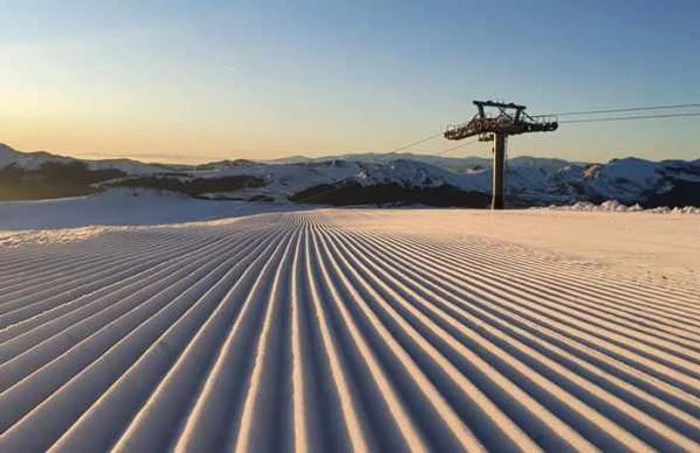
339 329
639 245
125 207
34 160
48 236
616 206
637 171
285 179
128 166
8 155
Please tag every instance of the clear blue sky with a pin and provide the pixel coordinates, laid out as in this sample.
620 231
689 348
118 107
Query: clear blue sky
199 80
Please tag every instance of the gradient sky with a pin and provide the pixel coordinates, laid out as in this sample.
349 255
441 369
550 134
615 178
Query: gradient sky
191 81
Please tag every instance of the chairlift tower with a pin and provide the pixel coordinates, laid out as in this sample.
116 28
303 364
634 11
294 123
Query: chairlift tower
510 119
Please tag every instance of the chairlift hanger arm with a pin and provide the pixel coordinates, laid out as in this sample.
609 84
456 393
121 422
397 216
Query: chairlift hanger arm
510 119
503 123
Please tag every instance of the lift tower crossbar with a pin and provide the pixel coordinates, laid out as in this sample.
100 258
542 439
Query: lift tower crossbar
510 119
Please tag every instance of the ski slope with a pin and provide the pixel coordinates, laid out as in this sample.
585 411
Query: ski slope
338 330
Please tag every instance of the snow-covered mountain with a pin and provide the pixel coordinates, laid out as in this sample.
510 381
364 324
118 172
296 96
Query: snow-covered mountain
9 155
377 178
34 160
457 164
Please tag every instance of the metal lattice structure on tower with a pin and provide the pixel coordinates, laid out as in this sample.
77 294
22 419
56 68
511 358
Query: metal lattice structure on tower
510 119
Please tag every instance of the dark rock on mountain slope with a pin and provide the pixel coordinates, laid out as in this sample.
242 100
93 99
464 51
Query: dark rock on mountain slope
349 194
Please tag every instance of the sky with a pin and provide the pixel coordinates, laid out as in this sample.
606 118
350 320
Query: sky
194 81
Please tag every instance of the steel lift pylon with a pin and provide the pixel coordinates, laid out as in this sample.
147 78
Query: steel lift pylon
510 119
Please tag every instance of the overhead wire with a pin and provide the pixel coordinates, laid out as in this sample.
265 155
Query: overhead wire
417 142
348 182
452 148
633 117
330 190
625 109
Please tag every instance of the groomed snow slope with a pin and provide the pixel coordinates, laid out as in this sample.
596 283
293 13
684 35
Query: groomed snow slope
342 329
124 207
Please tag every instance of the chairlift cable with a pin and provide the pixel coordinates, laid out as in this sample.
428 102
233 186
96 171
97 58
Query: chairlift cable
627 118
620 110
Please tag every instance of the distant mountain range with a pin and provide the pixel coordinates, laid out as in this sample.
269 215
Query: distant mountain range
362 179
456 164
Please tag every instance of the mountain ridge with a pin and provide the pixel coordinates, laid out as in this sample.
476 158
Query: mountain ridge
395 178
